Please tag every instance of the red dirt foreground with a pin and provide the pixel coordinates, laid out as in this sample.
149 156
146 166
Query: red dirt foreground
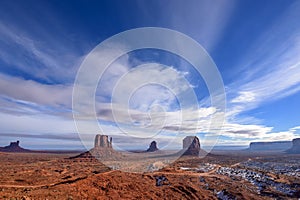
55 176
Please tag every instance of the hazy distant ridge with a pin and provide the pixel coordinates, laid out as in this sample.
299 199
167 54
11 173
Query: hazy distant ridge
270 146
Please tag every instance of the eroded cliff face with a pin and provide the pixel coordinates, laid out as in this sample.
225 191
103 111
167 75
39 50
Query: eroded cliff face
270 146
102 141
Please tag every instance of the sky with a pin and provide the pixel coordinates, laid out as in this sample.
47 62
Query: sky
254 44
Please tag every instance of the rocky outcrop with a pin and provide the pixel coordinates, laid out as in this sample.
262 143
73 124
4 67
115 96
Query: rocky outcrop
191 146
102 141
152 147
296 147
102 150
270 146
14 147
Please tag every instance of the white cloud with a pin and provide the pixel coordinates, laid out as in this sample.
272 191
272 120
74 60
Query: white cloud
294 129
150 84
275 84
271 69
135 121
244 97
205 23
35 92
40 123
256 133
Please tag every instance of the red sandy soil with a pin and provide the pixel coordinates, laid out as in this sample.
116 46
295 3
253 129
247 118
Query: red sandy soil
54 176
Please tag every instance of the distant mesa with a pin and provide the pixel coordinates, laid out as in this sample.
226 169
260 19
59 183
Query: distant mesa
191 145
295 149
152 147
270 146
14 147
102 150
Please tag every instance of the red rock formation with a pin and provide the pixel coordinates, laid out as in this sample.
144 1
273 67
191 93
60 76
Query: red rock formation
191 145
13 147
102 141
152 147
102 150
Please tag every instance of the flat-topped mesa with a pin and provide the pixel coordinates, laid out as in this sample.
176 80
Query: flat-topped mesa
296 147
191 145
102 141
270 146
14 147
296 142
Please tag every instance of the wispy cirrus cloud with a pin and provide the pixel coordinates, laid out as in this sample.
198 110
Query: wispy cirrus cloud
212 17
49 62
271 69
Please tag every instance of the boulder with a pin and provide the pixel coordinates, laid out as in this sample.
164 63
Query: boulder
152 147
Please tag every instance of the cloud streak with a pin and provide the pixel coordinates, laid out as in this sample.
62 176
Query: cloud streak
272 66
49 62
35 92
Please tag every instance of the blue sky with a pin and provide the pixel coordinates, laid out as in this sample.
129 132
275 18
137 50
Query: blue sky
255 45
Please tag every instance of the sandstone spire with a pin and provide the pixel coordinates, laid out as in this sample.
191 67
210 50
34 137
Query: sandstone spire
191 145
152 147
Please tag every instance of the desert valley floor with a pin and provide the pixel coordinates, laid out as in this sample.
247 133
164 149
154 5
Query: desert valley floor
230 175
